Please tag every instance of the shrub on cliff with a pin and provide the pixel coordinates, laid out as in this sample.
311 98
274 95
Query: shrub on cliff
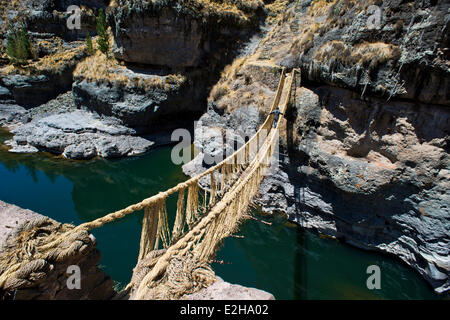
102 31
18 47
89 47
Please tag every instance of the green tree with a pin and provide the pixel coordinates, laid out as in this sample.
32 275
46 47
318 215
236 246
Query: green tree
18 45
102 31
89 46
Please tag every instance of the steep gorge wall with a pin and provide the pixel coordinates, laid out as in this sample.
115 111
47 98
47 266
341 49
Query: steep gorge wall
375 175
366 149
182 34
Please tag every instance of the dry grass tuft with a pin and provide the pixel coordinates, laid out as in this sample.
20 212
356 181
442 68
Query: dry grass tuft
59 61
50 64
241 85
320 7
219 91
229 74
367 55
303 43
101 69
232 71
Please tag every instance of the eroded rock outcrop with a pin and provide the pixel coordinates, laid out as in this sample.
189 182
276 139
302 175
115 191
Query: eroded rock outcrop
166 91
143 99
388 48
60 128
180 34
42 80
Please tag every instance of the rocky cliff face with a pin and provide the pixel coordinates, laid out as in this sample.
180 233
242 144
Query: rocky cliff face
146 87
146 100
374 174
47 18
55 49
180 34
365 150
388 48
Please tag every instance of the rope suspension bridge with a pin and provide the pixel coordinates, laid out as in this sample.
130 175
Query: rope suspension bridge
210 208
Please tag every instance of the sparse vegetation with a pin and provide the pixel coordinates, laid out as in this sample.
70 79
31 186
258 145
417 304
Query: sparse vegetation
231 71
99 68
89 47
244 84
18 47
102 32
304 43
219 91
367 55
320 7
241 12
50 64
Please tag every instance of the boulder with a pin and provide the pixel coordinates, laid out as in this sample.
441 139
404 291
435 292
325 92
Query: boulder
221 290
78 135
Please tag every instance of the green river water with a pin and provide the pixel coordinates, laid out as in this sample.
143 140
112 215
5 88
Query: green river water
282 259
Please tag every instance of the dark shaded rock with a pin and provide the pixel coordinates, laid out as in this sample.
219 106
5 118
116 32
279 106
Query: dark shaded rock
157 108
180 44
375 174
5 94
187 34
41 86
31 91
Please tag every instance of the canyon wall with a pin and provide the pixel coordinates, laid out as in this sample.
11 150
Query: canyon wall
365 150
